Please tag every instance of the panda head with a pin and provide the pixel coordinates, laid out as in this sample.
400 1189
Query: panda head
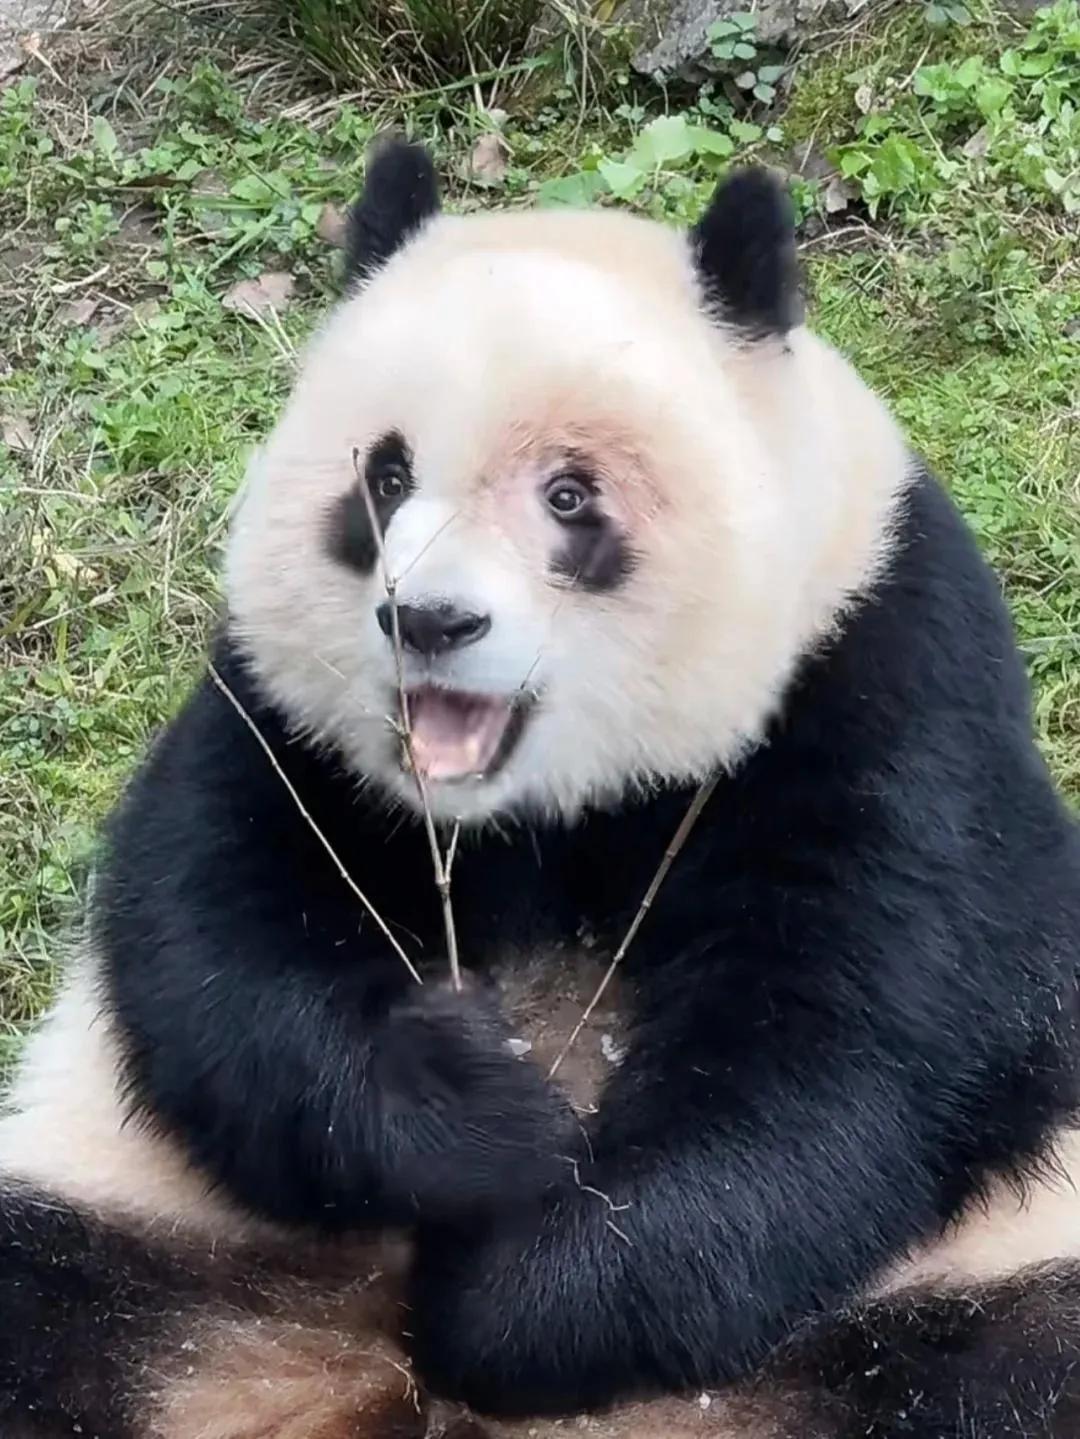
616 481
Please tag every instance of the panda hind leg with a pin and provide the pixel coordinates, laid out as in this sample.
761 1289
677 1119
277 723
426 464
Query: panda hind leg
998 1360
109 1334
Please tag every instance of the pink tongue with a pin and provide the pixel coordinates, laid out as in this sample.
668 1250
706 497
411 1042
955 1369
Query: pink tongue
454 736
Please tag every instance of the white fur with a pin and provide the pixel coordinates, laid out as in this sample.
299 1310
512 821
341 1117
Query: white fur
756 484
68 1133
1006 1231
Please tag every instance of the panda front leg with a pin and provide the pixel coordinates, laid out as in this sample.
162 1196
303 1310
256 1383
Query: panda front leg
264 1023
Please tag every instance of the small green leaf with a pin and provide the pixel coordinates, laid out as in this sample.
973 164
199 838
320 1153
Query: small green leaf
253 189
711 142
720 29
992 96
747 80
1032 66
745 132
875 125
623 180
668 138
854 162
894 165
105 138
572 190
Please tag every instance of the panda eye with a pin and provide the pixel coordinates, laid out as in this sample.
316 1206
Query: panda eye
388 469
567 497
390 484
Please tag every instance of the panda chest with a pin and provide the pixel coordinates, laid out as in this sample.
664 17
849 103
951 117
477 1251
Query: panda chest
545 993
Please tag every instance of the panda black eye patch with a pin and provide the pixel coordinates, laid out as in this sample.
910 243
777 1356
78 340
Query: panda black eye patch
387 473
595 554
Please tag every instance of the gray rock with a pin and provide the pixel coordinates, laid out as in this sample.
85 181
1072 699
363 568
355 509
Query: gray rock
25 15
19 18
677 31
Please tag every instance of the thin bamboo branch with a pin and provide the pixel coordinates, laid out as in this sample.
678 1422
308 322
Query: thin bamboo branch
690 818
442 868
342 871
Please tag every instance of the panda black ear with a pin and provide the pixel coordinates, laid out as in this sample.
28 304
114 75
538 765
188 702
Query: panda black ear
744 248
401 193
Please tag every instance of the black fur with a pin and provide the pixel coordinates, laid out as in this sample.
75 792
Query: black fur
744 245
80 1303
401 193
856 1000
349 538
999 1361
595 555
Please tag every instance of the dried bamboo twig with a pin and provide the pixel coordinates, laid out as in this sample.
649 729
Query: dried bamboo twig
690 818
345 875
442 866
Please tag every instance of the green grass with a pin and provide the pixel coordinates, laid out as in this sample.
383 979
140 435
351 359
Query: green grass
129 395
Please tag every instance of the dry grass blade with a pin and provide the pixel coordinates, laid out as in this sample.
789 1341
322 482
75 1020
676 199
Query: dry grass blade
345 875
442 865
690 818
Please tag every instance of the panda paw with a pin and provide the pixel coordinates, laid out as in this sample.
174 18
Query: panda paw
470 1126
529 1315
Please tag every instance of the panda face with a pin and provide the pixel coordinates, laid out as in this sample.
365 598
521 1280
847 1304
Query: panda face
601 516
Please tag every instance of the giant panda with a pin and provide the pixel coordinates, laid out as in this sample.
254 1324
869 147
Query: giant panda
668 597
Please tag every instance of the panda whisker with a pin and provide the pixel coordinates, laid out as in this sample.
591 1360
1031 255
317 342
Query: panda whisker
559 602
442 866
331 667
355 705
339 866
681 835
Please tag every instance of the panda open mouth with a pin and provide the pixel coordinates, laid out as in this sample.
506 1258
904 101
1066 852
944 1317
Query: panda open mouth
461 736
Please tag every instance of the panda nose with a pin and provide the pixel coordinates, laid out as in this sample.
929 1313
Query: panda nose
432 629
